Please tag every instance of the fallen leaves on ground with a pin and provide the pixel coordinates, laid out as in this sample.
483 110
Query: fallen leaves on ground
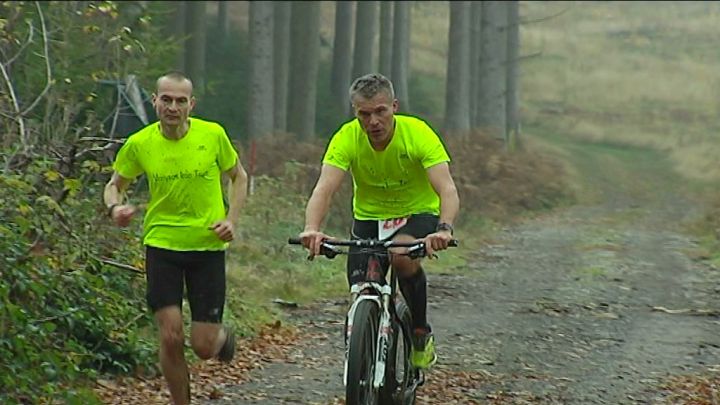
693 390
444 386
209 377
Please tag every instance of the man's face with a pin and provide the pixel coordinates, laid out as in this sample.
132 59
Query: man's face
173 101
376 116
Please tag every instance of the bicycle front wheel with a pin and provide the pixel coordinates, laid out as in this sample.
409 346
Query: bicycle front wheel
361 355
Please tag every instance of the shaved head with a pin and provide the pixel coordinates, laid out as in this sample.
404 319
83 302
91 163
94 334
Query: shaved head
176 77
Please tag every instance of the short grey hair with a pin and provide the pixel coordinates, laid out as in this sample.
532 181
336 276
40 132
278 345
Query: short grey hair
174 75
369 85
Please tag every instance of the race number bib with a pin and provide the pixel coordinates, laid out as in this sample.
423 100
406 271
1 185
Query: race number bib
388 227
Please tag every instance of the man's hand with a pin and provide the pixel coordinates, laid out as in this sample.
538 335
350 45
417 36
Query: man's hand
312 240
122 214
225 230
437 241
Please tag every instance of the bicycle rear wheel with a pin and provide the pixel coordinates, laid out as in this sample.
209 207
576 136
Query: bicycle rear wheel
400 376
361 355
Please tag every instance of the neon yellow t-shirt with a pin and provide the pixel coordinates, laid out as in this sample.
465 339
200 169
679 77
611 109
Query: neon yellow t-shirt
185 183
391 183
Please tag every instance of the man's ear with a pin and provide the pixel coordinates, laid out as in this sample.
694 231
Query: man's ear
396 105
192 102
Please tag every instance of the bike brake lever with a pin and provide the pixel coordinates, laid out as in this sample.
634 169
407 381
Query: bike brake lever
417 251
329 251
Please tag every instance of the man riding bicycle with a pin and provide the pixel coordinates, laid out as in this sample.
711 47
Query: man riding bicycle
402 190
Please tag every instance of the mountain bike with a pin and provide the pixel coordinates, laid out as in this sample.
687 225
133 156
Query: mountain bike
378 329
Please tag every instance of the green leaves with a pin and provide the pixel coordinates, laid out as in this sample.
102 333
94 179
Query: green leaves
63 316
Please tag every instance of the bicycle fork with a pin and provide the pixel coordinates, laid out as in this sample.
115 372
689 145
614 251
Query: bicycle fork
382 343
383 303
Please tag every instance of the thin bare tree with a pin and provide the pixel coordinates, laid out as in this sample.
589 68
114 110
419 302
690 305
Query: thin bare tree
475 43
260 105
304 63
366 27
281 62
195 49
223 22
342 53
386 38
492 97
401 52
178 30
457 91
512 107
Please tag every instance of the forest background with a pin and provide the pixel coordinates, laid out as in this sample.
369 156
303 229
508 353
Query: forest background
504 83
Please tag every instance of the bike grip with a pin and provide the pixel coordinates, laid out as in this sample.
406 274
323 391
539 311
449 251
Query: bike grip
294 241
453 243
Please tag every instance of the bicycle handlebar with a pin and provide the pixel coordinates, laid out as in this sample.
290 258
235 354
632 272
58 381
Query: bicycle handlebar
329 247
368 243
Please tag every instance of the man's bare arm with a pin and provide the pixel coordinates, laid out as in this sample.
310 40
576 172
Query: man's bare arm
444 185
120 212
319 203
237 192
115 189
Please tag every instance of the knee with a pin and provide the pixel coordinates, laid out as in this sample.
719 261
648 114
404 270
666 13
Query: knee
413 278
205 352
404 266
204 347
172 339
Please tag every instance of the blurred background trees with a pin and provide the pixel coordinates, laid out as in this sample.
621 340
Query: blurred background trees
76 79
239 53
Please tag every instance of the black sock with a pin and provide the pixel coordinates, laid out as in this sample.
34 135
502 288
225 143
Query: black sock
414 289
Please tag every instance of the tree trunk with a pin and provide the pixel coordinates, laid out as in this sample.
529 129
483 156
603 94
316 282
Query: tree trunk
401 53
304 54
512 116
475 42
365 32
178 30
260 107
281 62
491 112
342 54
386 42
457 91
222 20
196 45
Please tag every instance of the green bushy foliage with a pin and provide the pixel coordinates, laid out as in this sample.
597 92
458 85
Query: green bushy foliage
64 316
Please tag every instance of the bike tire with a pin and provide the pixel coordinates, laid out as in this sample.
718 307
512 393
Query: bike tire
399 372
361 355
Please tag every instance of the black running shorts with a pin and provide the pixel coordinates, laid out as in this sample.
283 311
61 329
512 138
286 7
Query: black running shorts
203 272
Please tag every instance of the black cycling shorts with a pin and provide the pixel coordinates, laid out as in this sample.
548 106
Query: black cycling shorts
418 226
168 271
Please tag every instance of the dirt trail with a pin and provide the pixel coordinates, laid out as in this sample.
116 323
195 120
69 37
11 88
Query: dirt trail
559 310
